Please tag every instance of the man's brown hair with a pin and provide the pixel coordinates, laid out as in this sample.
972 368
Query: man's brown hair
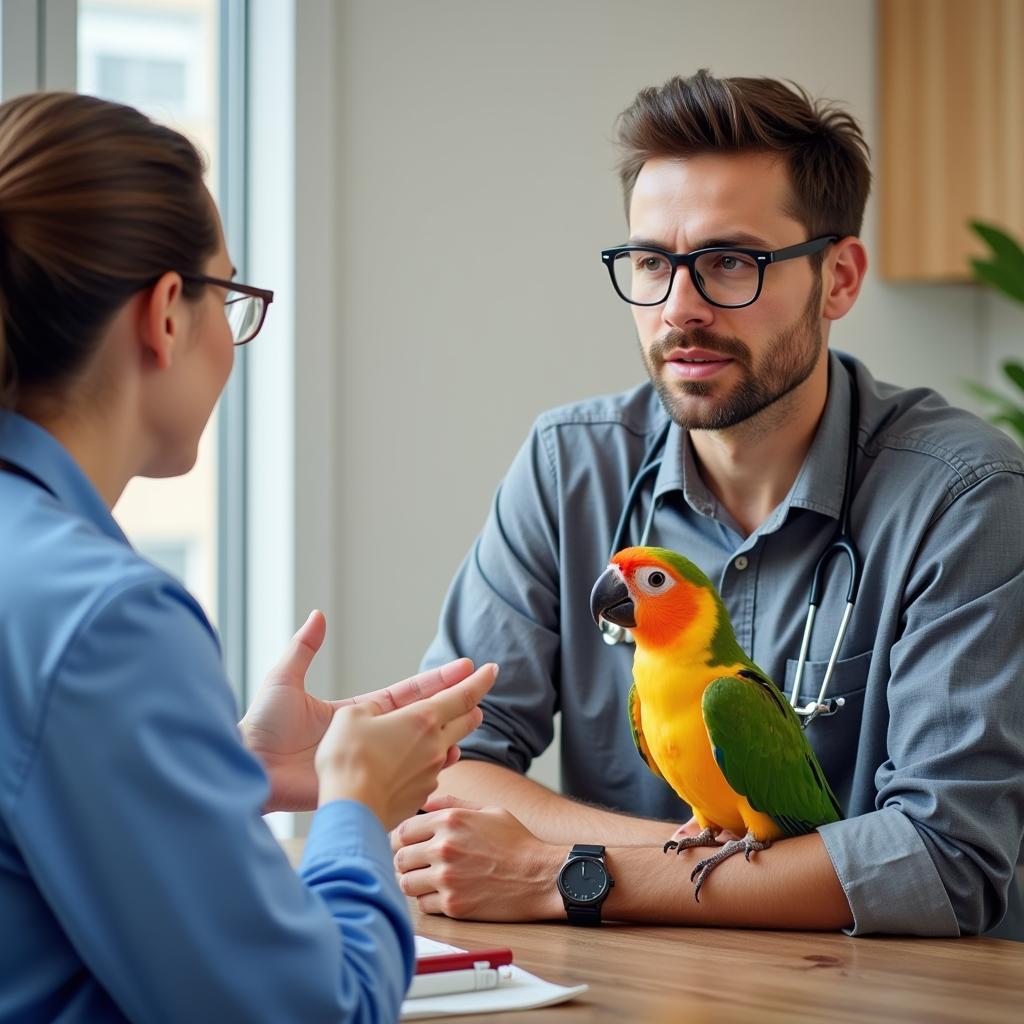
823 146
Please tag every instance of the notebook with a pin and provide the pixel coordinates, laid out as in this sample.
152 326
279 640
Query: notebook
524 991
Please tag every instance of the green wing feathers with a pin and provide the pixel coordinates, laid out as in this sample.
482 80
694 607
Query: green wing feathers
636 728
764 754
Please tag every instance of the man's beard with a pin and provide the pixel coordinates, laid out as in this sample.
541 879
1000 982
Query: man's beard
787 361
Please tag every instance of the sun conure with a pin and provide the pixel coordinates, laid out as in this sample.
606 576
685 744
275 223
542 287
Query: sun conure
704 717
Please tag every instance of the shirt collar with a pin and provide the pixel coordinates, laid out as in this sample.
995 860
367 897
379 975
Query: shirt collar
821 481
41 457
818 486
678 472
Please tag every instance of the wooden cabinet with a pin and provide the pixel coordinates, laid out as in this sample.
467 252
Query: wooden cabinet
951 146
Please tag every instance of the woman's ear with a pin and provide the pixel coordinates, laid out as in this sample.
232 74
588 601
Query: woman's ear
842 276
162 320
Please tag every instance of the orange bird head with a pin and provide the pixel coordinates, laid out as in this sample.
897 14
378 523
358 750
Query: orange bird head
655 593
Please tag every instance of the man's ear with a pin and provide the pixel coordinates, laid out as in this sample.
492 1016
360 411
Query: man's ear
843 272
162 320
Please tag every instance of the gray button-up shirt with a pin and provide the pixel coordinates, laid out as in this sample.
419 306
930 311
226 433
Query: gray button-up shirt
926 757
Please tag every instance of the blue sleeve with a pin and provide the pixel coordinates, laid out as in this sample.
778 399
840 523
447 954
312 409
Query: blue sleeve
139 818
504 606
938 855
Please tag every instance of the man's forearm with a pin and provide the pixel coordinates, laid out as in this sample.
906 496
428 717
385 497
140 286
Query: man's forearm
548 815
790 885
488 864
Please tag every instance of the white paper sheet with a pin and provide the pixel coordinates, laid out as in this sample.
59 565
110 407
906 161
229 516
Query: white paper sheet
525 991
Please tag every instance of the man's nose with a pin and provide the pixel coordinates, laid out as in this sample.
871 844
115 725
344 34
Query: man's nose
685 307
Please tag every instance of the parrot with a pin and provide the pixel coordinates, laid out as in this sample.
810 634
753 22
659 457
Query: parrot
704 717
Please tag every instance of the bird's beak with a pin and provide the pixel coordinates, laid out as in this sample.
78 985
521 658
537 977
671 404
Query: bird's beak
610 600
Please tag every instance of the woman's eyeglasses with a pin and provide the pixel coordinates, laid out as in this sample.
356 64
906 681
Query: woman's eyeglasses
245 306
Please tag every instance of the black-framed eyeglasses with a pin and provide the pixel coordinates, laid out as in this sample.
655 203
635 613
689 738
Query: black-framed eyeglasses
244 306
727 276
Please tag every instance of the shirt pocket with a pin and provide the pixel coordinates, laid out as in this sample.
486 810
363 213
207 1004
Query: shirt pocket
835 738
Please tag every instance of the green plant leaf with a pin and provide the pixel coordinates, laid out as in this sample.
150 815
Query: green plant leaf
988 395
1015 421
1010 414
1006 250
1000 277
1015 371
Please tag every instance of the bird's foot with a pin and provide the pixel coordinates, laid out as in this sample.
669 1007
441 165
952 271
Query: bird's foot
748 844
681 840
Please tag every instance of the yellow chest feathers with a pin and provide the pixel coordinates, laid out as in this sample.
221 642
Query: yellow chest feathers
673 726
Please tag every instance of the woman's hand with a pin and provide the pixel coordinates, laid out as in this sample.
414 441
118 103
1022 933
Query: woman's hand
390 761
284 724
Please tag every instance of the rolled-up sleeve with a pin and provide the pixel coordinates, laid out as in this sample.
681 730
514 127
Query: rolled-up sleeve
139 817
938 855
503 606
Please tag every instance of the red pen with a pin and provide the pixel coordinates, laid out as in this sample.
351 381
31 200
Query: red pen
463 961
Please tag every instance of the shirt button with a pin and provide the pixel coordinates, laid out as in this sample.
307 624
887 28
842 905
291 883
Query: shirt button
741 563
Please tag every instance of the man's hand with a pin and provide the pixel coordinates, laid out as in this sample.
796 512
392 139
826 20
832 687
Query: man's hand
477 863
284 724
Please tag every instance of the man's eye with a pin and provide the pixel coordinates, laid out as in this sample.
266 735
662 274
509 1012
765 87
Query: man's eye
732 262
651 264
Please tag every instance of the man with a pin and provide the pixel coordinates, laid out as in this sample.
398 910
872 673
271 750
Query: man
927 753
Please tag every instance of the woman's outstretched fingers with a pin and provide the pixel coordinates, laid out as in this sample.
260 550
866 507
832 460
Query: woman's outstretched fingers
418 687
306 641
430 681
463 697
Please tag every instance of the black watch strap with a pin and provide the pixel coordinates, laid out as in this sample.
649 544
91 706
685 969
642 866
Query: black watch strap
583 915
576 913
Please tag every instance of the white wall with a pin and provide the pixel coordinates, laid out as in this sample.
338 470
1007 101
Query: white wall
475 187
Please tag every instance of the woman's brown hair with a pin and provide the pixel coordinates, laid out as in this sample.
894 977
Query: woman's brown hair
96 203
822 145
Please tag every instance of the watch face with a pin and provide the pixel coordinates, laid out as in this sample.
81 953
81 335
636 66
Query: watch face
583 880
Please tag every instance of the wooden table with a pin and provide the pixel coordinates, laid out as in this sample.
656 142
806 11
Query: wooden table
645 975
642 975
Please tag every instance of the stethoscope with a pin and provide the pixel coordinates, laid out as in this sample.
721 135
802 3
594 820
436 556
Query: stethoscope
840 544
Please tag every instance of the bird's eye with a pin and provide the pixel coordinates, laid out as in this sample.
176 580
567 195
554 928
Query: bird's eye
654 581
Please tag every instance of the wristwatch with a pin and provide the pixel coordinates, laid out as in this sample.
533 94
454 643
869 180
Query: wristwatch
584 882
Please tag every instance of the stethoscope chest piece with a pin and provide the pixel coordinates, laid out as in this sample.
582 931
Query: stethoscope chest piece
612 633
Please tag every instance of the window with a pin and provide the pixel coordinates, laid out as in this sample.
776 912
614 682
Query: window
151 56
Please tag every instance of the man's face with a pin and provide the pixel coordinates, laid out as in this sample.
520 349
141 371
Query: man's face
714 368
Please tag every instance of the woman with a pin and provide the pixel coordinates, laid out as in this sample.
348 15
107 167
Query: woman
137 878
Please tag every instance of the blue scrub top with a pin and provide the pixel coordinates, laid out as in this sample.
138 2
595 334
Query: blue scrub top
138 879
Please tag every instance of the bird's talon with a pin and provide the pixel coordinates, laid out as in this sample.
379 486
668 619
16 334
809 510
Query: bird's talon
700 882
670 845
